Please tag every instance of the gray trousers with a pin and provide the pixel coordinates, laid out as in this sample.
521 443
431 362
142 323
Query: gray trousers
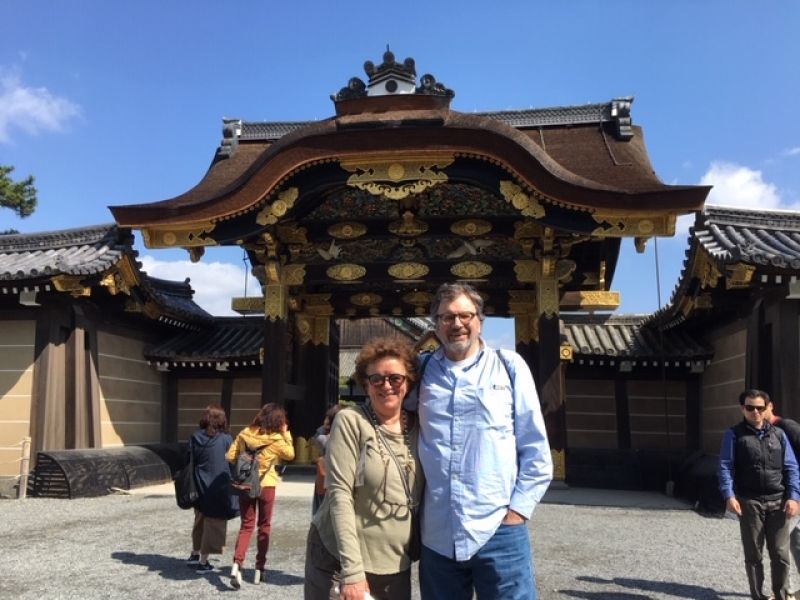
765 521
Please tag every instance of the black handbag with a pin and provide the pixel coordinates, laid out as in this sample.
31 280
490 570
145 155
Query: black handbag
186 494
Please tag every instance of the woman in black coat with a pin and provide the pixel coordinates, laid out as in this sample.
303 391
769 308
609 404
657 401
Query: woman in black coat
216 504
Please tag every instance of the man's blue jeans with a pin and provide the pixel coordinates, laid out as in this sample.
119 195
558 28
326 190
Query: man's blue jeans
501 570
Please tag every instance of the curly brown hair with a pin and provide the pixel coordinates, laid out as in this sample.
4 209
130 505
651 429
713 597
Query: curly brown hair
388 347
214 420
271 418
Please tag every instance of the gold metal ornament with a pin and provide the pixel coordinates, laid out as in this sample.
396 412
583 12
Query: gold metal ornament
184 236
525 204
270 214
408 226
346 272
366 299
275 301
347 230
471 270
590 300
418 299
738 276
293 274
397 177
619 224
471 227
408 271
72 285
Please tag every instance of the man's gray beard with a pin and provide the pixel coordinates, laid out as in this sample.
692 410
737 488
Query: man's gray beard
458 348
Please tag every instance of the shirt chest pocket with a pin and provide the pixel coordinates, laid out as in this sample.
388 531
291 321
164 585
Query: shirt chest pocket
492 406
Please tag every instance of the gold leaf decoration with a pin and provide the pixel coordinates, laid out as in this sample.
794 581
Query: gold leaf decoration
347 230
398 177
471 270
471 227
408 270
185 236
408 226
293 274
365 299
270 214
419 299
524 203
346 272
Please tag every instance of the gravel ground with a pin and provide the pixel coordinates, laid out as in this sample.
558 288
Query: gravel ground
134 546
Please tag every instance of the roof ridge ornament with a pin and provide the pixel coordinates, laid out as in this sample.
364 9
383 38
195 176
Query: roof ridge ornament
391 78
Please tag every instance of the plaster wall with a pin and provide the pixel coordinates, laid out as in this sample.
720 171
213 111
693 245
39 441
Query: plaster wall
591 414
657 414
723 381
16 386
245 402
130 393
193 397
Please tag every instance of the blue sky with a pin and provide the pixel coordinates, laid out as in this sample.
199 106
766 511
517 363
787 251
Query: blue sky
122 102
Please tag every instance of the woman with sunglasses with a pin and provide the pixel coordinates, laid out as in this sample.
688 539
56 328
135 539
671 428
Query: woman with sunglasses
361 536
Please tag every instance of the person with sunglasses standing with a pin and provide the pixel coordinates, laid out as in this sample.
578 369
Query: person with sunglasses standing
485 455
360 541
758 477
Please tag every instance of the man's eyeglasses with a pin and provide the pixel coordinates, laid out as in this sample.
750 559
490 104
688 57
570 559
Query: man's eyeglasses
752 407
450 318
395 379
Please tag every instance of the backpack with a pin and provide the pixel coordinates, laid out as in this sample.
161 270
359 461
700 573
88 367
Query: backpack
245 478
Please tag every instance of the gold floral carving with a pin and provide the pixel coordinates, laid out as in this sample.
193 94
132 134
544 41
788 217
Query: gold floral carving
275 301
347 230
270 214
408 226
184 236
397 178
293 274
318 304
418 299
304 328
526 328
590 300
547 296
248 305
365 299
122 278
292 233
471 269
408 270
72 285
739 276
559 465
527 205
527 229
706 270
471 227
321 334
623 225
346 272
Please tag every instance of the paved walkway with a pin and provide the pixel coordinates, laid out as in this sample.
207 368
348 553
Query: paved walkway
588 544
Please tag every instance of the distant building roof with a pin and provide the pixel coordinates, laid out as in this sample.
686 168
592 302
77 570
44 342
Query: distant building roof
81 251
627 337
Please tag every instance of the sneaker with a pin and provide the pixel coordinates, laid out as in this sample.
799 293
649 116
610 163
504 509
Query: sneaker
259 575
205 568
236 576
194 559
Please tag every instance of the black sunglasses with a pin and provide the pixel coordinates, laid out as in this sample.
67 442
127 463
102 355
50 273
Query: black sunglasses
752 407
395 379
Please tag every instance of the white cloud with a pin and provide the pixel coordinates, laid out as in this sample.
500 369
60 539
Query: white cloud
740 186
214 283
792 151
30 109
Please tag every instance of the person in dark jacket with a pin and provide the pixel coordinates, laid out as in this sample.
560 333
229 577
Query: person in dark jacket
216 504
792 430
758 477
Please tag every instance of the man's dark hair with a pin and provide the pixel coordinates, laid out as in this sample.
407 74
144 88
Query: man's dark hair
448 292
754 394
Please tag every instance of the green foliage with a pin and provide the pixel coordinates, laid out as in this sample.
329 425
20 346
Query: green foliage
18 196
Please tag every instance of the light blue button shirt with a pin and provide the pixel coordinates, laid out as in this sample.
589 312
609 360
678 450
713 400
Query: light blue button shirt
483 448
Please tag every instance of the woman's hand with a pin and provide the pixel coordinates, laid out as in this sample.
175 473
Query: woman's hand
353 591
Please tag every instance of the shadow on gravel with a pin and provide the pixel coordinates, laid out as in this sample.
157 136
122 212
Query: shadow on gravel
280 578
173 568
662 589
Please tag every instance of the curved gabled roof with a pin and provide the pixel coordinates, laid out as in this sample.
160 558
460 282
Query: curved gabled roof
583 156
80 251
226 339
627 337
755 246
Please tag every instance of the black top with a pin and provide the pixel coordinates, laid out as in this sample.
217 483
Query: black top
213 475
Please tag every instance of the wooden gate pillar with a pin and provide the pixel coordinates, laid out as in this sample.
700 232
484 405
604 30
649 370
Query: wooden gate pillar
273 381
313 355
